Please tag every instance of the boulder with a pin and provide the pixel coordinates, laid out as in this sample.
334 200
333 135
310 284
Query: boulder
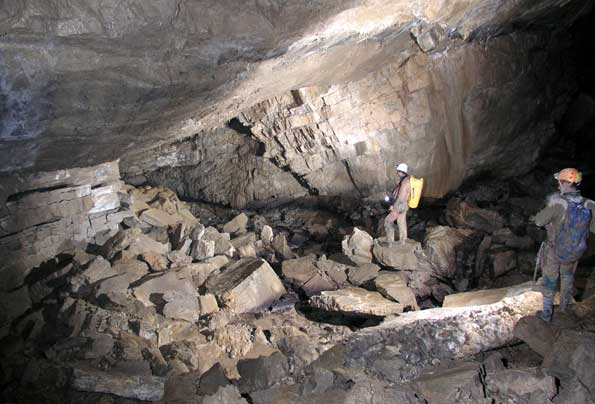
149 388
262 372
178 259
507 238
202 249
222 244
119 242
266 235
306 276
459 384
529 385
159 218
282 248
208 304
198 232
200 271
97 270
539 335
463 214
358 246
181 306
502 262
335 271
356 301
407 257
573 354
245 245
157 262
442 245
362 273
115 288
246 286
444 334
488 296
393 286
237 225
151 292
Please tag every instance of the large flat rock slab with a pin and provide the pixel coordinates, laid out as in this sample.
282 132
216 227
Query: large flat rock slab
356 301
148 388
488 296
402 347
246 286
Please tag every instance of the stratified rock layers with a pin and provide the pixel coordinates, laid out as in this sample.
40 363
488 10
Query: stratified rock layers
471 109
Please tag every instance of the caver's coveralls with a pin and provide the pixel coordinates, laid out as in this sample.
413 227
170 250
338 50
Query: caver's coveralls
552 217
398 211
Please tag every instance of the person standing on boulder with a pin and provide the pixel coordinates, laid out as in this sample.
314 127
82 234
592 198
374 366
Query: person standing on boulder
567 220
399 206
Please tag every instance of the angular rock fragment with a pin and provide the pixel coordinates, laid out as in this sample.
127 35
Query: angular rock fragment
208 304
403 257
266 235
178 259
262 372
453 385
248 285
362 273
503 262
202 249
181 306
573 354
305 275
463 214
149 388
237 225
356 301
152 291
245 245
358 246
157 262
392 285
222 244
200 271
521 385
282 248
119 242
442 245
158 218
143 244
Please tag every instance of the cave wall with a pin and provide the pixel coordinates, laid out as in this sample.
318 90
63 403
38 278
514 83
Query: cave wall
105 79
470 109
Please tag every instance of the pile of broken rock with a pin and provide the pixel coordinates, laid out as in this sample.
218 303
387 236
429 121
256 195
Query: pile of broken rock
169 310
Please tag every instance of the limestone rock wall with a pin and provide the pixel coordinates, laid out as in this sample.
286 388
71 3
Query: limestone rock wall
43 215
470 109
105 79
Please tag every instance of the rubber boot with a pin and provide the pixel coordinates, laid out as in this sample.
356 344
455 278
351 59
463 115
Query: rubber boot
548 310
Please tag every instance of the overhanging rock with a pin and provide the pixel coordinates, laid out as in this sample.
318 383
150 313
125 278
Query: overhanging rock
399 349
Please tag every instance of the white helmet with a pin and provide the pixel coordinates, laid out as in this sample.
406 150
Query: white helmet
403 167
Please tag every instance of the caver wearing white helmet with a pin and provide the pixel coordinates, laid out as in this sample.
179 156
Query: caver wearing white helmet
402 167
399 208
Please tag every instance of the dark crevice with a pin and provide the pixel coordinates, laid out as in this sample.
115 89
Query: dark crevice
21 195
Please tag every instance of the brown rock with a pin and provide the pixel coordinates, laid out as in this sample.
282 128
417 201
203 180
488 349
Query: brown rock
157 262
356 301
248 285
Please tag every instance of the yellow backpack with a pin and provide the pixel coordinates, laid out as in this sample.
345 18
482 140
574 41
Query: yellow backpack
417 185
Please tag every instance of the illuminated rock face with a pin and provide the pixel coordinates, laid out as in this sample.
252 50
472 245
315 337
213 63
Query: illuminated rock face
117 78
468 110
399 349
